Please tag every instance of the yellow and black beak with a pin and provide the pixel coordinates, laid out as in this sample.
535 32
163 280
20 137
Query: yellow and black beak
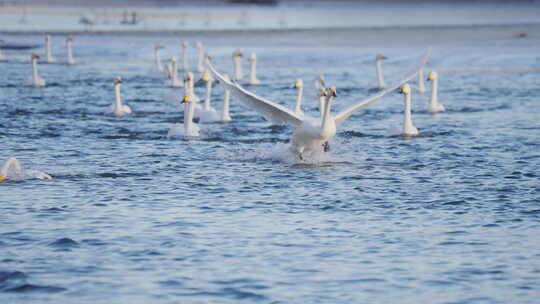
118 80
186 99
333 92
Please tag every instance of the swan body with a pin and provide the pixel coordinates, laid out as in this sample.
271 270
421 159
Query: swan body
11 170
157 57
200 61
237 64
48 49
299 85
309 133
117 108
434 105
378 67
70 59
408 128
253 70
185 61
421 85
188 128
37 81
175 83
207 113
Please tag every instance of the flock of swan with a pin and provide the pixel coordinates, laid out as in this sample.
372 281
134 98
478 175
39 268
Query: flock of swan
311 133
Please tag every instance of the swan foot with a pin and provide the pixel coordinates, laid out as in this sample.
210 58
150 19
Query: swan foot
326 147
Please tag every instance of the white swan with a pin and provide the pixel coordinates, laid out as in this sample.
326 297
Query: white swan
421 85
175 83
225 115
157 57
185 61
37 81
188 128
299 85
434 105
237 64
253 70
70 59
378 67
309 133
322 98
207 113
11 170
117 108
408 128
48 49
200 61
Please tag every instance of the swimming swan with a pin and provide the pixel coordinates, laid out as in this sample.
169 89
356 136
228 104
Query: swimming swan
157 57
309 133
48 49
188 128
70 59
253 70
408 128
207 113
117 108
237 65
434 105
378 67
37 81
11 170
185 61
299 85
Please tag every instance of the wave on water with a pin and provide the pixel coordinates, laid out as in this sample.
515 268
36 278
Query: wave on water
16 282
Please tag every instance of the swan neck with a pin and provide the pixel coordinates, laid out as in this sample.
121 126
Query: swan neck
434 88
225 113
299 96
208 95
237 68
185 59
380 76
253 70
407 120
158 60
34 70
421 85
321 106
12 162
117 98
189 109
326 115
49 50
174 72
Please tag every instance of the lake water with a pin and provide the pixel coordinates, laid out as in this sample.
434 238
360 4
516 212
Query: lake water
450 216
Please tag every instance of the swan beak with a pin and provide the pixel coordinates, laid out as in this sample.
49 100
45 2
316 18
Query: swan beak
35 56
431 76
2 178
298 84
238 54
405 89
323 92
118 80
186 99
333 92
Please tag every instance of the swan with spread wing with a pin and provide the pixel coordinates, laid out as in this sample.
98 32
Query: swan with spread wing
310 133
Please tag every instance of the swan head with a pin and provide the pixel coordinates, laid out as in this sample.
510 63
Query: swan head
184 44
321 80
238 53
35 56
173 59
322 92
252 57
47 37
158 47
380 57
198 45
405 89
186 99
2 178
299 84
188 77
117 80
332 92
205 77
69 38
432 76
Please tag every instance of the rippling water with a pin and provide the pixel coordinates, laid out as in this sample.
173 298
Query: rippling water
451 216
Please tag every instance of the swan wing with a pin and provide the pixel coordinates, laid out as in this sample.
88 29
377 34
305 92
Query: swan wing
272 111
342 116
